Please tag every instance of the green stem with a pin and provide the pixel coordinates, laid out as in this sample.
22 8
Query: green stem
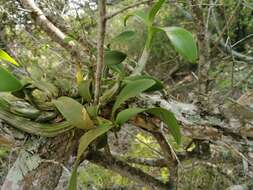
142 61
145 54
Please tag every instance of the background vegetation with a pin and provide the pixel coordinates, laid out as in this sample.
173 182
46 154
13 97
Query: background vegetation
218 161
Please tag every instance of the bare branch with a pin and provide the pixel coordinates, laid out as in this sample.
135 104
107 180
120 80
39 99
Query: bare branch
229 21
242 40
127 8
53 32
100 48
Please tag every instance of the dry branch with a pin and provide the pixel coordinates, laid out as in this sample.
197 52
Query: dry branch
53 32
127 8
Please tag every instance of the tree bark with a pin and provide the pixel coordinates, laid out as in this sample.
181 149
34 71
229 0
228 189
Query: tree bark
40 170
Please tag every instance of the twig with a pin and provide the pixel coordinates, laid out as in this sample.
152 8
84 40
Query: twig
169 156
229 21
241 40
127 8
146 2
231 53
226 48
100 48
173 153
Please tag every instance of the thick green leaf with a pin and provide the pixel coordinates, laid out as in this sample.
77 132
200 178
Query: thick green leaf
123 37
74 112
166 116
169 119
157 86
131 90
125 115
90 136
85 141
183 42
141 15
154 10
5 56
8 82
114 57
84 90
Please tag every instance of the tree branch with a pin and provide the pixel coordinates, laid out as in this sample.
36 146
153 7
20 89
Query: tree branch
126 170
53 32
100 48
127 8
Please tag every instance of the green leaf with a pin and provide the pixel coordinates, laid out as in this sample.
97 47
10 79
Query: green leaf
183 42
169 119
74 112
125 115
166 116
90 136
5 56
131 90
141 15
157 86
85 141
84 90
8 82
114 57
154 10
123 37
